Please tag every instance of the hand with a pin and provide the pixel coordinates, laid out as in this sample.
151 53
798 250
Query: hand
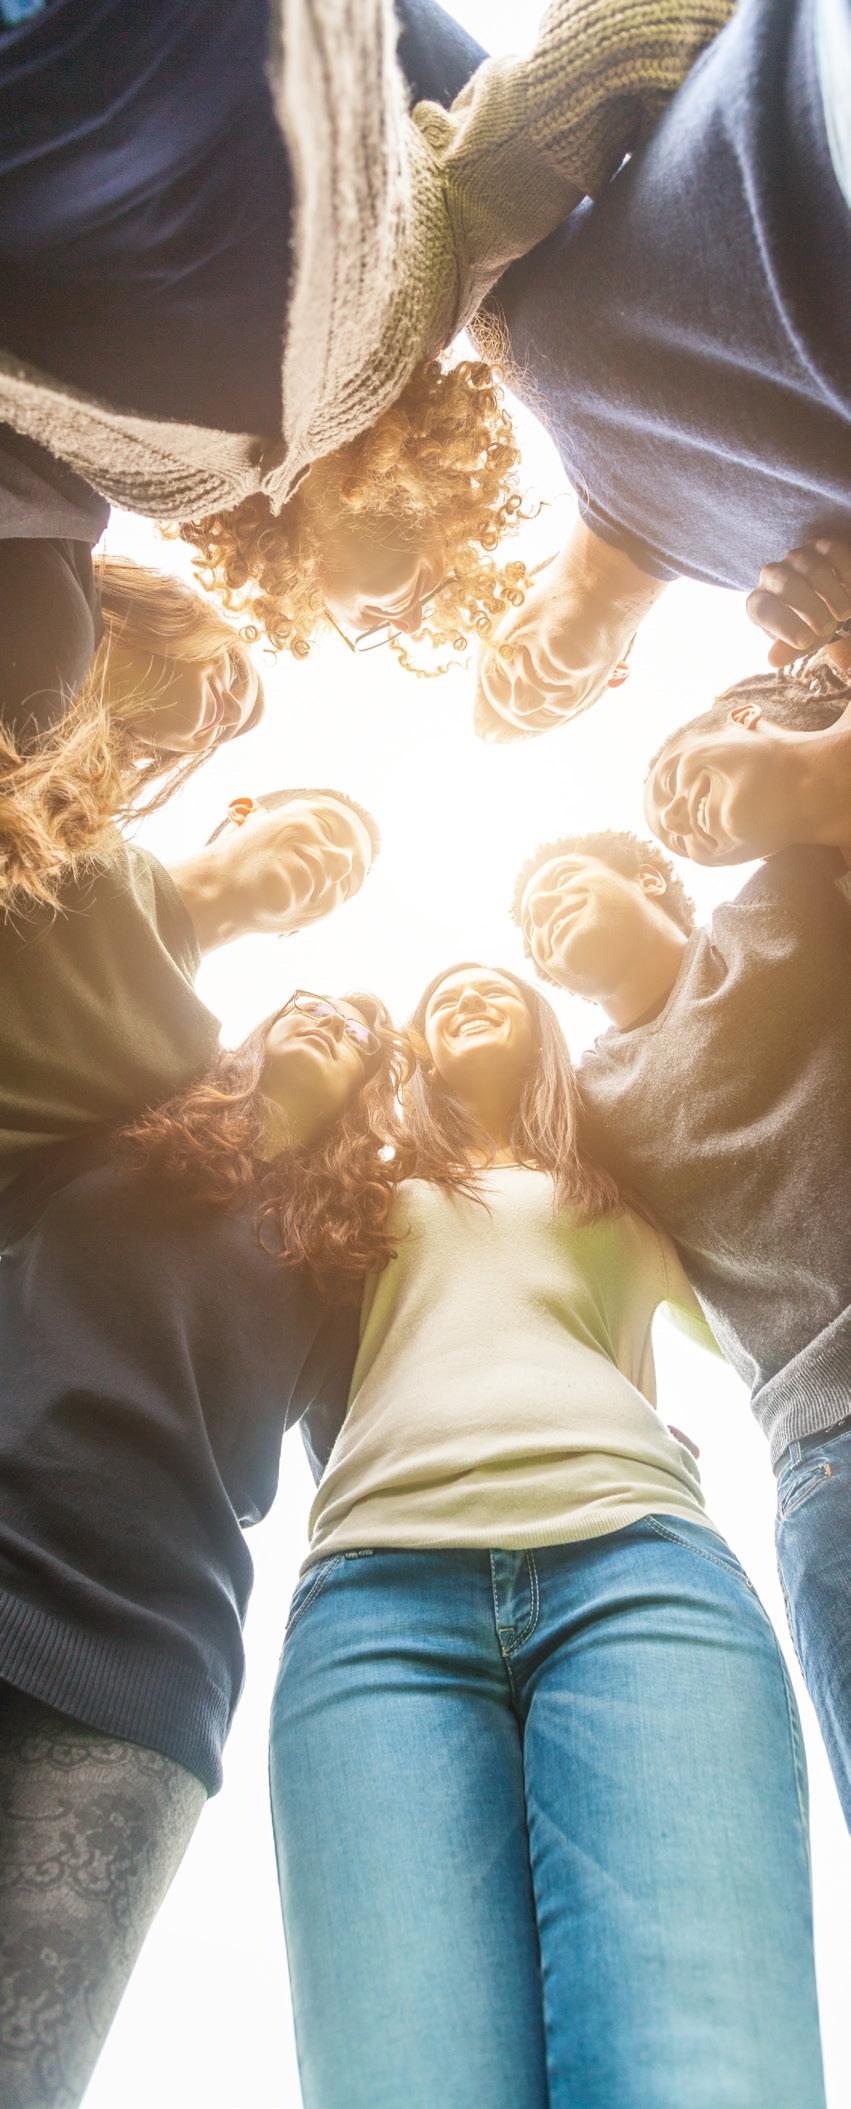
800 601
686 1440
567 643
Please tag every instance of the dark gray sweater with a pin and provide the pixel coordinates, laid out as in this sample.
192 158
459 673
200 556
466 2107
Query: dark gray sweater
730 1113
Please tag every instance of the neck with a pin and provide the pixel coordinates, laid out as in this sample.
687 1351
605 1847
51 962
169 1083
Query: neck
288 1126
494 1111
210 898
820 787
646 983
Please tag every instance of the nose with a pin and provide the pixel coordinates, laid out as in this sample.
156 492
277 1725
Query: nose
230 705
471 1004
671 812
337 861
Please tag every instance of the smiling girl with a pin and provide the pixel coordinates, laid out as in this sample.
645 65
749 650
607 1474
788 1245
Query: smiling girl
536 1769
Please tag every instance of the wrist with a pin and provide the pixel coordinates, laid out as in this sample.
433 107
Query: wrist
608 573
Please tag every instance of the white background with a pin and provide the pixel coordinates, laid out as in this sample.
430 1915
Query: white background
206 2022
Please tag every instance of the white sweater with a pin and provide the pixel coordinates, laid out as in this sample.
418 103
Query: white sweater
504 1391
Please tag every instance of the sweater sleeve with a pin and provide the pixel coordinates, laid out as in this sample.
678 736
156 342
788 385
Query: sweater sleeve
681 1303
527 138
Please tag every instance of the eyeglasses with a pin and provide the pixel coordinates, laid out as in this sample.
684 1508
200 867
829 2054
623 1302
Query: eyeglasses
365 1040
382 632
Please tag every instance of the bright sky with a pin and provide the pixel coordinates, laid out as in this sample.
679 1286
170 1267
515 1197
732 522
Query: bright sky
206 2022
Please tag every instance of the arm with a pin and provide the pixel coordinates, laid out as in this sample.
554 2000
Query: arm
557 654
682 1304
529 137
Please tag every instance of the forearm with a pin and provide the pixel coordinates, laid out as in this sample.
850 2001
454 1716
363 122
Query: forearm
527 138
600 573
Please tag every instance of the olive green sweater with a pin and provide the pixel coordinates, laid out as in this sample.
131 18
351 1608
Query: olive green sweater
98 1014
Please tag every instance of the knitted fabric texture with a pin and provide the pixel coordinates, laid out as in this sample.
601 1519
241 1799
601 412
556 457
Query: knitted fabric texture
403 222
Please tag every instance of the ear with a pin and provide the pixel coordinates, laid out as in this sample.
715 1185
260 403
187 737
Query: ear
748 715
651 881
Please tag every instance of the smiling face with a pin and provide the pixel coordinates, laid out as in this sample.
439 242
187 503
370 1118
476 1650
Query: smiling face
299 861
723 794
477 1026
179 706
313 1066
584 922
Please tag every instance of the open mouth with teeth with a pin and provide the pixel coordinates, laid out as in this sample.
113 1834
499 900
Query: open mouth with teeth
467 1027
701 826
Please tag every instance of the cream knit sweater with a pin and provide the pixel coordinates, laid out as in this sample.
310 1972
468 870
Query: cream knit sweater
504 1390
402 223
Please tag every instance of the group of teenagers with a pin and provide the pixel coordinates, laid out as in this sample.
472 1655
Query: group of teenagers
537 1774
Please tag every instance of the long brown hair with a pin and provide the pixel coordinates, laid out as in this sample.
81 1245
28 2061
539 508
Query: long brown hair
62 796
324 1206
547 1131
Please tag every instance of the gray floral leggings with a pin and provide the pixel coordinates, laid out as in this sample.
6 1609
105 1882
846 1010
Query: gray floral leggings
91 1833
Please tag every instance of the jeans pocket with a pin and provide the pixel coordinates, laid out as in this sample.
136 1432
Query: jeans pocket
696 1538
798 1482
308 1587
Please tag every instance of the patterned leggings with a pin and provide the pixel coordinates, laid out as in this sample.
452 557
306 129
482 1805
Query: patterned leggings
91 1833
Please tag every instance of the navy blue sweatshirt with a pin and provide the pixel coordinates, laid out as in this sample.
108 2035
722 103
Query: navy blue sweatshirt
151 1357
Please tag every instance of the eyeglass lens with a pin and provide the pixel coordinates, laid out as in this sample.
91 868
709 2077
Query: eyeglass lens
315 1007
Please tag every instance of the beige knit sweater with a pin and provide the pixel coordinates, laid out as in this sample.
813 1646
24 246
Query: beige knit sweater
402 224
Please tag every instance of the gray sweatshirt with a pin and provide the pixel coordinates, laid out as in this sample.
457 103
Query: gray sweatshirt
730 1114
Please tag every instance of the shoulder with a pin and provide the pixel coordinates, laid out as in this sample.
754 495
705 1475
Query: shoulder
793 885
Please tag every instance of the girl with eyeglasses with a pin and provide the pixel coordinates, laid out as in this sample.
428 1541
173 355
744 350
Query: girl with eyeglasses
173 1296
536 1767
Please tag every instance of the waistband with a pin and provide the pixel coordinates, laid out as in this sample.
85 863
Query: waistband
795 1450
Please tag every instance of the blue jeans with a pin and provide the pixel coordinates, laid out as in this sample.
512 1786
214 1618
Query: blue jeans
814 1558
541 1832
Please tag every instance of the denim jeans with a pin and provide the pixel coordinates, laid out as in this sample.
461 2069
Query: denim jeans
814 1558
541 1832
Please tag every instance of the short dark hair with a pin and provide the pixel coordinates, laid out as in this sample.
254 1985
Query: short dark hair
784 697
269 801
622 852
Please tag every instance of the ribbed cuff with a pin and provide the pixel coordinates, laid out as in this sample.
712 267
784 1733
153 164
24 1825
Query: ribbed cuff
136 1695
811 1393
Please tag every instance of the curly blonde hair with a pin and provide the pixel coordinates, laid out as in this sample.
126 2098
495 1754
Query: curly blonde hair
62 795
444 454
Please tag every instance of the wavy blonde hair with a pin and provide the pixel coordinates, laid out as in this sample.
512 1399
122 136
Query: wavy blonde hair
444 455
62 796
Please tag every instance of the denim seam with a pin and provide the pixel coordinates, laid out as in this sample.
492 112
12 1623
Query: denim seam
495 1595
663 1530
326 1568
818 1477
798 1757
520 1639
536 1602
